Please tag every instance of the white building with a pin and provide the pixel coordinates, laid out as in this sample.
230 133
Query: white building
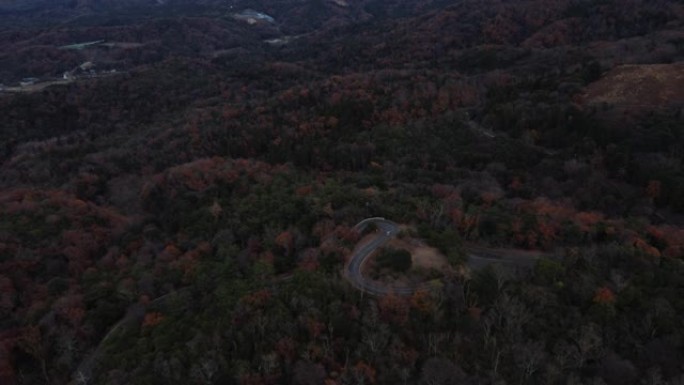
252 17
28 82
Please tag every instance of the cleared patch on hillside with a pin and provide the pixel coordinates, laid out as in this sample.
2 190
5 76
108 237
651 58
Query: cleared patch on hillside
422 256
642 86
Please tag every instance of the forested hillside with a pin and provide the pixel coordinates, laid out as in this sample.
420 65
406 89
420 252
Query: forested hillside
180 182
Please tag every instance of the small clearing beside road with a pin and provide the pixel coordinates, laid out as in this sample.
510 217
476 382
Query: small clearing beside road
422 256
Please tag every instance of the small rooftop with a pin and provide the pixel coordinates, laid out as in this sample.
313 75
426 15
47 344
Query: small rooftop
251 16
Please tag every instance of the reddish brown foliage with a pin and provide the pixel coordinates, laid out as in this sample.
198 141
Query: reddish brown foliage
70 308
604 296
304 190
421 301
346 233
285 347
475 312
309 260
314 327
285 240
152 319
646 248
393 309
257 299
367 371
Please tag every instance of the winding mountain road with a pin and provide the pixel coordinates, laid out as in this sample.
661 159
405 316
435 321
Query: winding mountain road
352 271
478 258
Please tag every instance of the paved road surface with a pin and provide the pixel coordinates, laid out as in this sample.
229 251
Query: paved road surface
352 271
478 258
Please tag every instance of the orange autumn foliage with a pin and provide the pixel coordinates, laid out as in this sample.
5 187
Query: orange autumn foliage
285 240
258 298
303 191
172 251
671 237
421 301
642 245
152 319
587 220
604 296
366 370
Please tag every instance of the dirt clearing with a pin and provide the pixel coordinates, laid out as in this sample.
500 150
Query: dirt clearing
639 86
422 256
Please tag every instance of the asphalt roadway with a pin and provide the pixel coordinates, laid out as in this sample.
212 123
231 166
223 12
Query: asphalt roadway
512 261
352 271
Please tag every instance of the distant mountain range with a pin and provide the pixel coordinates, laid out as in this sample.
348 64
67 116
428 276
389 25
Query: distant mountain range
39 5
295 12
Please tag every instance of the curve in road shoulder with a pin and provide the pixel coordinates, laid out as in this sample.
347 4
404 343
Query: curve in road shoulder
352 270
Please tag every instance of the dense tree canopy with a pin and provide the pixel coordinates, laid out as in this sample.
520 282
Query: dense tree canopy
187 218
